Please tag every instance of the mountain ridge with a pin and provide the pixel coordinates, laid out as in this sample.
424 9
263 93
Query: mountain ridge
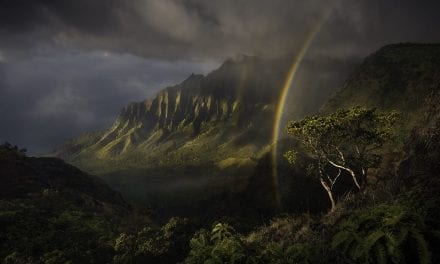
397 76
232 100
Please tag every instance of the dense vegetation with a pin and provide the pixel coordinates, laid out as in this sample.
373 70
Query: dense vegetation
394 220
51 212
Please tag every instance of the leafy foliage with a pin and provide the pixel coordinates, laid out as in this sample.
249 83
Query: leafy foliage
382 234
221 245
168 244
224 245
32 233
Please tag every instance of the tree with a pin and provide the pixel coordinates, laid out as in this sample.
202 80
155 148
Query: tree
9 149
347 141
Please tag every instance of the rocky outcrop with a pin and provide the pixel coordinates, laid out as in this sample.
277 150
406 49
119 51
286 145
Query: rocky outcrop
239 94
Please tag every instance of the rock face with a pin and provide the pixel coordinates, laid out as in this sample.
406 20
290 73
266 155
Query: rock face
232 106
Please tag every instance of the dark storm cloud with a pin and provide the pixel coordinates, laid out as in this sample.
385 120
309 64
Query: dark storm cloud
45 101
196 28
68 66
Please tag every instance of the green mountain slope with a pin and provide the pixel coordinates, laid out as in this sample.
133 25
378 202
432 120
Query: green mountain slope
403 77
51 212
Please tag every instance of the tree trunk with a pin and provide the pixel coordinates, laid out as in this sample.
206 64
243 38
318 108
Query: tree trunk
329 193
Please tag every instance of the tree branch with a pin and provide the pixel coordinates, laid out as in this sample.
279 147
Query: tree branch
353 175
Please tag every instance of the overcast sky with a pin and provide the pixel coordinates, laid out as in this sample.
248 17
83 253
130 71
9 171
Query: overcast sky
69 66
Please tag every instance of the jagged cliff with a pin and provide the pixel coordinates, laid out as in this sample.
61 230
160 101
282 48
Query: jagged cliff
203 119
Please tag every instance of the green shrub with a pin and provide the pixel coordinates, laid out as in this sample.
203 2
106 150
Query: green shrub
387 233
221 245
168 244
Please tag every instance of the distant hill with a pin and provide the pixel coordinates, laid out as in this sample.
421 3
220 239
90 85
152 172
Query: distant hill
23 176
403 77
51 210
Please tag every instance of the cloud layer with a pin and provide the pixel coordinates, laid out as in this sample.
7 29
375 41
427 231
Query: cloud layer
198 29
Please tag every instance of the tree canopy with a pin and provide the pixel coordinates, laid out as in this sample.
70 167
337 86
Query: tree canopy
346 141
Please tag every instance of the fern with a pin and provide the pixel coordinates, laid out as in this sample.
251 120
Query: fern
298 253
343 237
402 235
391 242
379 235
422 247
371 240
380 255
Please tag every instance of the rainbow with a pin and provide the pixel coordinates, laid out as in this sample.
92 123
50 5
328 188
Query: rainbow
283 96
